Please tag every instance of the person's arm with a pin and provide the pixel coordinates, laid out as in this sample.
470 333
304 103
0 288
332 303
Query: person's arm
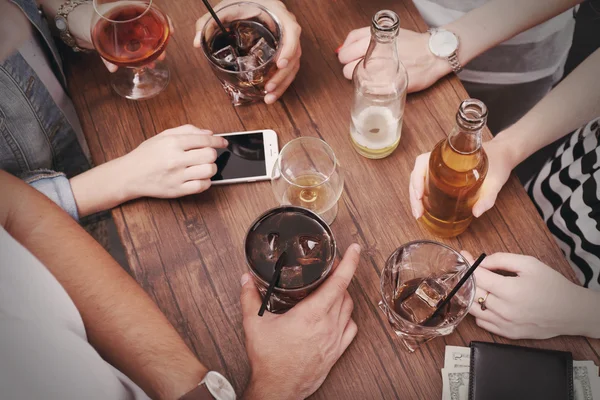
177 162
499 20
79 20
121 321
574 102
478 30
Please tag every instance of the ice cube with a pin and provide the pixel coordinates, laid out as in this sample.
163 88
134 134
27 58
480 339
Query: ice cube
309 250
246 36
226 57
262 51
291 277
431 291
247 65
265 247
421 305
416 309
227 54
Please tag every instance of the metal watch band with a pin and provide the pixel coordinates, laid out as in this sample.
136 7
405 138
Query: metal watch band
61 22
454 63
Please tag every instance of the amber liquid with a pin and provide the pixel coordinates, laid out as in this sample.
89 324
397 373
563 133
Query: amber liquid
311 193
445 315
452 188
134 43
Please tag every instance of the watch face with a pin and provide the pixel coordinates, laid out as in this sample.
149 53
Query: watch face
218 386
61 23
443 43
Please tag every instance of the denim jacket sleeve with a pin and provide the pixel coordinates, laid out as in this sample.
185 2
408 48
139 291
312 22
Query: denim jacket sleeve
56 186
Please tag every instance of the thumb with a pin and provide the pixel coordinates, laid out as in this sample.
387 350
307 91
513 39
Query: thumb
249 297
487 198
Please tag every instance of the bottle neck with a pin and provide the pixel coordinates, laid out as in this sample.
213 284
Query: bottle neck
384 31
470 121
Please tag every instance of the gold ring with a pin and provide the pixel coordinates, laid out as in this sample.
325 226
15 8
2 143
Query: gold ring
482 300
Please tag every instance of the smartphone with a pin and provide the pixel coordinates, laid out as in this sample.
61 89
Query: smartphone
249 157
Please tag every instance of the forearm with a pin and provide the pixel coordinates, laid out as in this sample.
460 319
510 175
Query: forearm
574 102
585 311
121 321
499 20
101 188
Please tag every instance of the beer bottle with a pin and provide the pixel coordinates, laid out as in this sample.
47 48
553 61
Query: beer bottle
457 167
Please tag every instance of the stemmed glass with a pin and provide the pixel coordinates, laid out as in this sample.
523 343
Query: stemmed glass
307 174
132 34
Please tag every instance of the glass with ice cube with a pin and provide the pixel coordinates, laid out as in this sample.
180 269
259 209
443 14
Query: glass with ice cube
243 58
310 248
415 280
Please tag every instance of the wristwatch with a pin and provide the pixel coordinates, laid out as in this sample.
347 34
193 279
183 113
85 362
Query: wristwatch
444 44
214 386
62 24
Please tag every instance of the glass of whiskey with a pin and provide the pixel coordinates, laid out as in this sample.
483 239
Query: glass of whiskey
307 174
414 281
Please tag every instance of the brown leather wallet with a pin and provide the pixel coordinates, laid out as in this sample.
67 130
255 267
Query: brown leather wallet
505 372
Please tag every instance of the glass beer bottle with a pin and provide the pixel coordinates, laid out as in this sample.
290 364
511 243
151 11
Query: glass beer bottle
457 167
380 83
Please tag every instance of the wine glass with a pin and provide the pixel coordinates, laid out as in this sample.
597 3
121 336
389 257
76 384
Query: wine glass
307 174
132 34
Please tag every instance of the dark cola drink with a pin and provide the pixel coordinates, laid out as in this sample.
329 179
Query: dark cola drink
243 58
309 247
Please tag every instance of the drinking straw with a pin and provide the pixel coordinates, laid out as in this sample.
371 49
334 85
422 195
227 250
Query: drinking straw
214 15
276 274
458 286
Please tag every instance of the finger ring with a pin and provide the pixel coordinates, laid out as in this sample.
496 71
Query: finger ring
482 300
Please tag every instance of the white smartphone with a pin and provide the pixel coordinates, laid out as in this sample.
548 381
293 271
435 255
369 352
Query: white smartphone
250 157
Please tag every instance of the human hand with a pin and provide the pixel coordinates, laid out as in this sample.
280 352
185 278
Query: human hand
80 22
177 162
537 303
423 68
291 354
501 162
288 61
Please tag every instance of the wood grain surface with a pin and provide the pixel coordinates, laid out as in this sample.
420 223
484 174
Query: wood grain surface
188 254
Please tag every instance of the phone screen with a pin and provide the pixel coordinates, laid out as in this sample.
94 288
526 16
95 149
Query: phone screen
243 158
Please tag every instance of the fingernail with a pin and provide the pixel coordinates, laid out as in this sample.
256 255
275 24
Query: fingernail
270 99
338 49
245 279
270 87
225 142
197 39
356 247
414 213
476 213
282 63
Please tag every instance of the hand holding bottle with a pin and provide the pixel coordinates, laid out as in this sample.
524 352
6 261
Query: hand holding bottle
501 162
424 69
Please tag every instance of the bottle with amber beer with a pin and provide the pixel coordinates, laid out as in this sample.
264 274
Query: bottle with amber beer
457 167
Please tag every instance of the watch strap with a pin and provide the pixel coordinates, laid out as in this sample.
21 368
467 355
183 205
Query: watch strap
61 21
454 63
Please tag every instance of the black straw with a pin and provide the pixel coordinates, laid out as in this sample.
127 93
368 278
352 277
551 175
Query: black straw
214 15
458 285
274 279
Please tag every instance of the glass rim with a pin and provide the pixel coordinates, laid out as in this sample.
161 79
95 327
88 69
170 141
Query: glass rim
112 21
239 3
429 329
308 139
316 216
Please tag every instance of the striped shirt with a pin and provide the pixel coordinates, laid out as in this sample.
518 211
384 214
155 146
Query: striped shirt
567 194
535 54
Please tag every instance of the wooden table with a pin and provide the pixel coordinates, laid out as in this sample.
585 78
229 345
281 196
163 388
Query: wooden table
187 253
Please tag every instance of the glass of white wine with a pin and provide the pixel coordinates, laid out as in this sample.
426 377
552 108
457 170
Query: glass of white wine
307 174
